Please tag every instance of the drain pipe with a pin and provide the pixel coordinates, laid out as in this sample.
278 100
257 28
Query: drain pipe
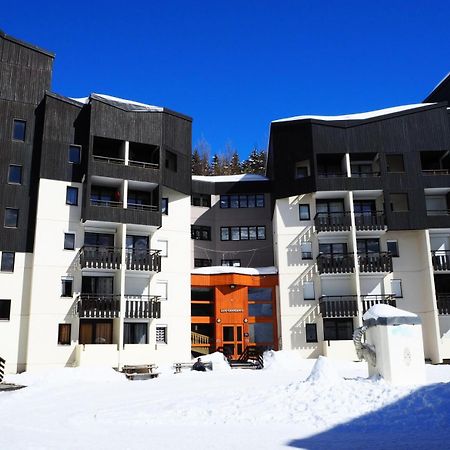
364 351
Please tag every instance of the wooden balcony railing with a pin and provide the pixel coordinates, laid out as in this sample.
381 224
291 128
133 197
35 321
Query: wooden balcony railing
375 262
143 259
142 307
443 303
199 339
339 221
105 306
98 257
335 263
332 306
370 221
440 259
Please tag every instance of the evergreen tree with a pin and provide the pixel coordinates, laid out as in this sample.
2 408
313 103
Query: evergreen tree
256 162
216 165
203 150
196 163
235 164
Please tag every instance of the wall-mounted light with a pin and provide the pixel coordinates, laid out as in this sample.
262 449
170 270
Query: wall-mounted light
218 320
245 320
232 286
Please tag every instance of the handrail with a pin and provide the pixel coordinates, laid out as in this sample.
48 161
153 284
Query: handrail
197 338
332 174
144 164
438 212
365 174
332 214
142 206
109 159
435 171
107 203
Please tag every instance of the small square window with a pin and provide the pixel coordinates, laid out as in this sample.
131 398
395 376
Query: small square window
161 335
72 196
308 290
304 212
19 130
311 332
5 309
7 264
392 248
66 287
74 154
396 287
165 206
11 218
15 174
69 241
162 289
64 331
306 248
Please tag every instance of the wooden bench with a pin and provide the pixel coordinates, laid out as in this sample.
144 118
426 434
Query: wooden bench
179 366
141 372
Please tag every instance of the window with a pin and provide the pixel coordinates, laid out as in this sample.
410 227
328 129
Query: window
231 262
171 161
19 130
304 212
308 290
201 200
302 169
7 264
242 201
165 206
72 196
64 331
392 248
202 262
311 332
75 154
261 333
337 329
69 241
15 174
66 287
96 331
163 246
260 302
200 233
396 288
5 309
162 289
161 334
366 246
330 206
395 163
135 333
399 202
306 248
243 233
11 217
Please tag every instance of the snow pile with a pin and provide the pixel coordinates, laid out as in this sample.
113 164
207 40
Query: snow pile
324 372
284 360
382 310
217 270
219 362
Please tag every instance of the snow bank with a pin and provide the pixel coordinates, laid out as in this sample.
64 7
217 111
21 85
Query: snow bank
324 371
381 310
217 359
284 360
216 270
230 178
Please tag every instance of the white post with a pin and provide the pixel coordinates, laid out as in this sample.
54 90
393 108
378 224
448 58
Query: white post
127 152
121 280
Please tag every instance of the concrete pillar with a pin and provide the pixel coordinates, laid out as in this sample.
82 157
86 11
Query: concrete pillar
122 238
126 152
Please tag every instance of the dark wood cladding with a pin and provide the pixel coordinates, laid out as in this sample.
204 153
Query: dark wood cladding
240 187
110 170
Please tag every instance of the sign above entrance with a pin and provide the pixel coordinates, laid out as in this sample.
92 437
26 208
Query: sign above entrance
231 310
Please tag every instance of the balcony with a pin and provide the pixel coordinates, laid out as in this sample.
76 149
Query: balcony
143 260
443 304
370 221
440 259
338 221
142 307
334 306
335 263
105 306
97 257
375 262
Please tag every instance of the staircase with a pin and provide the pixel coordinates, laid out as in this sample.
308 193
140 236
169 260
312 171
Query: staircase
251 359
200 343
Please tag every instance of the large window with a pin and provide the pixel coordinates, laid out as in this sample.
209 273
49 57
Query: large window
337 329
96 331
200 232
261 333
202 262
7 264
5 309
19 130
242 201
330 206
15 174
201 200
260 302
366 246
64 331
11 218
72 196
243 233
135 333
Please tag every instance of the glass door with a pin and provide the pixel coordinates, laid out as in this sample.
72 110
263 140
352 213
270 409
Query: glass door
232 341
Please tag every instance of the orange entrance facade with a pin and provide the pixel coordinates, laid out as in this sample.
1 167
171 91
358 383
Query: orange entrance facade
230 312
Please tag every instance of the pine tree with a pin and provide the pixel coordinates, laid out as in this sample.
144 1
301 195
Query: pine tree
203 150
196 163
256 162
235 164
216 165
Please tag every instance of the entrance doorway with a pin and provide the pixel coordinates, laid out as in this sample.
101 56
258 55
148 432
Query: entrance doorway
232 341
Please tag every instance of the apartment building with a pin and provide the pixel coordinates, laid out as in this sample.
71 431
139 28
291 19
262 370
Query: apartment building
96 214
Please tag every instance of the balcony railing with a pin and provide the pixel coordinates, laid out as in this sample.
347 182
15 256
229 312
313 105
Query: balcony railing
358 174
144 164
443 304
332 306
370 221
375 262
335 174
337 221
142 307
105 306
438 212
440 259
143 259
97 257
335 263
435 171
109 159
106 203
142 206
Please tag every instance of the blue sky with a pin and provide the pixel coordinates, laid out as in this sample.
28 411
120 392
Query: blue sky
234 66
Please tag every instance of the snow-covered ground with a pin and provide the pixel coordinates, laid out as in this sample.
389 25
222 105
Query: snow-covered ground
289 404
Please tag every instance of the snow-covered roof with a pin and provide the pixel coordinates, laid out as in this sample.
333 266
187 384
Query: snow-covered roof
230 178
129 104
386 311
440 82
358 116
217 270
